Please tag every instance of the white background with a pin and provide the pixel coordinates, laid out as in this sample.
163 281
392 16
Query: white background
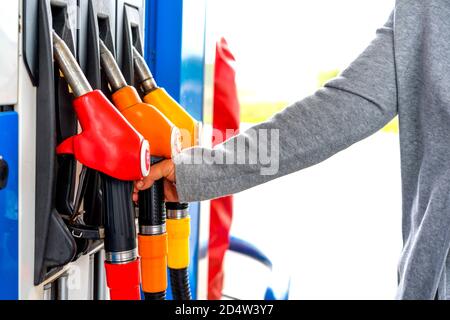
335 229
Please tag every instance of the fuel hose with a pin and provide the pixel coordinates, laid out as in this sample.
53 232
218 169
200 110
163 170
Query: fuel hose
153 241
178 229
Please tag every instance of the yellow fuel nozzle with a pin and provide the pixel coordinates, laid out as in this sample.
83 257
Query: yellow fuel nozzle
178 220
158 97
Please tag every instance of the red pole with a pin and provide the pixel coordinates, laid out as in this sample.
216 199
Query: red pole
226 112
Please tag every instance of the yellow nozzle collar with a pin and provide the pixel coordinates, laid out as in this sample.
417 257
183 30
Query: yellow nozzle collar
178 232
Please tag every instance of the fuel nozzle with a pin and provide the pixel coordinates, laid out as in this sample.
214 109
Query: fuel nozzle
110 145
70 68
104 131
160 99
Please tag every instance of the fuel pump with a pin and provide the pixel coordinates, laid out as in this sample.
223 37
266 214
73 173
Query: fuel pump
165 140
110 145
178 219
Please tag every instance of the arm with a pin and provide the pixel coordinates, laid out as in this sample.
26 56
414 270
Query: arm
349 108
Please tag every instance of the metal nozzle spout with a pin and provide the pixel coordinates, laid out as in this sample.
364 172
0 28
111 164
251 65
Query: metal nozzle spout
143 73
112 70
70 68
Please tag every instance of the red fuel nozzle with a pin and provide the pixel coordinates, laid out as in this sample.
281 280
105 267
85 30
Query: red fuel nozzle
107 143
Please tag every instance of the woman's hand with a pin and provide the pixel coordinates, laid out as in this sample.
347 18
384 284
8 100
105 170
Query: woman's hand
164 169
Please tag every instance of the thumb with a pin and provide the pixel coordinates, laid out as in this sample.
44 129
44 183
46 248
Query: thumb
163 169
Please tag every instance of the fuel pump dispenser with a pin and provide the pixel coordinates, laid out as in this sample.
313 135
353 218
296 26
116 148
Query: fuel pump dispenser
110 145
165 140
69 157
178 219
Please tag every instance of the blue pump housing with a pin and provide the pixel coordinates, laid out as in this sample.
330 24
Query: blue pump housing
9 278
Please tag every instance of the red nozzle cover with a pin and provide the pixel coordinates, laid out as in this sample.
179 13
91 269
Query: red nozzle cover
108 143
123 280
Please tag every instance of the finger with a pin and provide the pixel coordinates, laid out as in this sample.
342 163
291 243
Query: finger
135 197
157 171
145 184
170 191
136 183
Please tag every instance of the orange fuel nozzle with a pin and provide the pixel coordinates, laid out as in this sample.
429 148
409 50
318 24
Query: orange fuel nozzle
163 136
158 97
165 139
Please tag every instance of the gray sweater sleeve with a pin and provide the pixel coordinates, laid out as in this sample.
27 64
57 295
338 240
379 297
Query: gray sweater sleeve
349 108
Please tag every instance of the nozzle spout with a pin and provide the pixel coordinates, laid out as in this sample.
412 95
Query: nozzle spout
143 73
69 67
112 70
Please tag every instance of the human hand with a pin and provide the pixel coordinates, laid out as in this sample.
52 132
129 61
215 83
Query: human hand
161 170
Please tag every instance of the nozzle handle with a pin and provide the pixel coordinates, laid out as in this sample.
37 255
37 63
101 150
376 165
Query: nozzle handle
69 67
